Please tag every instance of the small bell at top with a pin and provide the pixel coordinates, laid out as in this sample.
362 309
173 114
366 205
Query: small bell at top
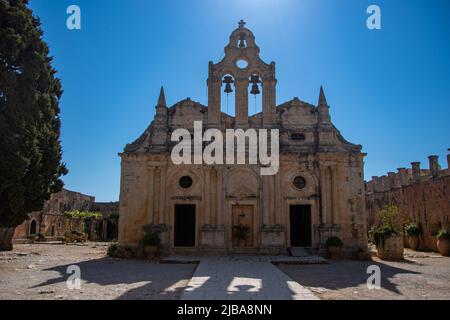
242 43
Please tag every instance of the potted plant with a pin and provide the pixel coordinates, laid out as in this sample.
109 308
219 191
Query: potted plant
334 245
128 252
241 232
112 250
387 234
361 254
443 242
151 242
413 232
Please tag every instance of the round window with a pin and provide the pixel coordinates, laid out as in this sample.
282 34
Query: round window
186 182
299 183
241 64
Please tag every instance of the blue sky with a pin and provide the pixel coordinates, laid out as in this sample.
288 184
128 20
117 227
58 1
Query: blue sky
388 89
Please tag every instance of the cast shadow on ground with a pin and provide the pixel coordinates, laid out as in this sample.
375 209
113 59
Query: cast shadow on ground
344 274
164 280
243 281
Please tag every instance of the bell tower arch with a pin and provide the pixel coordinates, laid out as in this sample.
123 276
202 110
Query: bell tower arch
242 61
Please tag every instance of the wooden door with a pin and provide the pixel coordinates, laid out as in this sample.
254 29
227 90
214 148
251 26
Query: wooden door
242 215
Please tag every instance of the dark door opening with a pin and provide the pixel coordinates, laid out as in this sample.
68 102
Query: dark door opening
184 235
300 217
33 227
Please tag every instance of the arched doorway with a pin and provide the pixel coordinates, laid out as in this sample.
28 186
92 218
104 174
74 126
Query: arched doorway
33 228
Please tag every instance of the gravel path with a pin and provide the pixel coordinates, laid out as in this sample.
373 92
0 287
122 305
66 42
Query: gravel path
39 271
419 276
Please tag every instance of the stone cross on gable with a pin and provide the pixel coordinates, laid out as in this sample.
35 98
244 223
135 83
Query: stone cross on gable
241 23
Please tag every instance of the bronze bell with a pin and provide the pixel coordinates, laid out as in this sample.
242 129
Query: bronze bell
254 79
228 80
255 89
242 43
228 88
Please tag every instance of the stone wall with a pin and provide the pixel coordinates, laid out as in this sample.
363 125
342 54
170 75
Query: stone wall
52 222
423 197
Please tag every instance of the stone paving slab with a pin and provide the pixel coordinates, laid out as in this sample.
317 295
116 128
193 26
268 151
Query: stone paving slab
279 259
242 278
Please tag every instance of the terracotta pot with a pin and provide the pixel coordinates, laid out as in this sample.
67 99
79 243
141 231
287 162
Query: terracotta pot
362 256
335 252
127 254
414 242
150 251
444 247
391 248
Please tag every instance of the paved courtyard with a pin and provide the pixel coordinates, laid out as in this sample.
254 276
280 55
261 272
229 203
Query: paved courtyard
243 278
422 275
39 271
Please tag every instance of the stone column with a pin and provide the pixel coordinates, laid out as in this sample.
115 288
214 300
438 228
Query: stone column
206 196
162 202
271 197
220 196
241 105
151 196
157 194
434 166
416 171
448 158
403 174
265 200
269 103
278 200
323 196
213 196
335 204
214 87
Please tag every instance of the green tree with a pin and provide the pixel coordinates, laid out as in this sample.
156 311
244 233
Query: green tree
30 149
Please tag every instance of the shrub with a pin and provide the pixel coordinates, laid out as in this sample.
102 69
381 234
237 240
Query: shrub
334 242
390 223
83 215
241 231
443 235
112 249
151 239
40 237
382 232
411 230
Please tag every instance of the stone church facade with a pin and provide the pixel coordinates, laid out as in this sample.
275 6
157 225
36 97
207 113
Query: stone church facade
318 191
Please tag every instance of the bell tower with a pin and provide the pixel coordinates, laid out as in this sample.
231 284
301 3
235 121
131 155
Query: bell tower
242 67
